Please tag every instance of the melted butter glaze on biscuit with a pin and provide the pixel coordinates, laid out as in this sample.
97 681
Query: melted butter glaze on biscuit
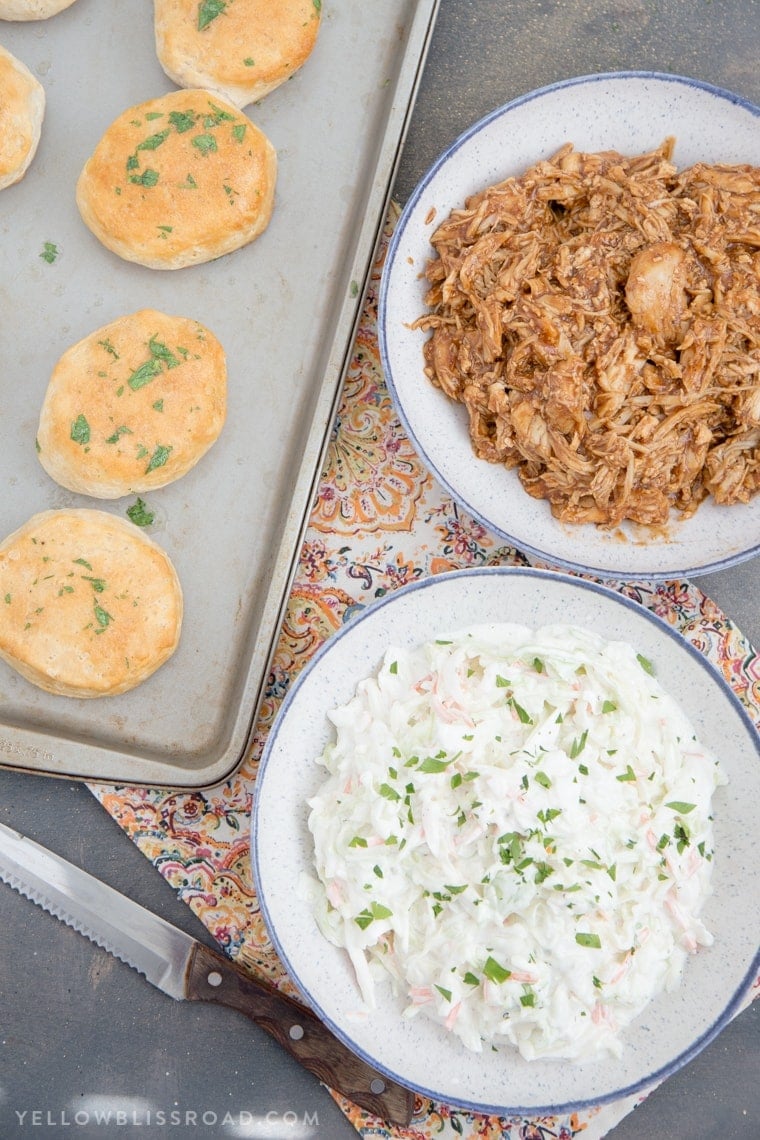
133 406
91 606
32 9
241 48
178 180
22 109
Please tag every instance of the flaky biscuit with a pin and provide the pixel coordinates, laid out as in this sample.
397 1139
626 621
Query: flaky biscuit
32 9
133 406
22 110
241 48
178 180
90 605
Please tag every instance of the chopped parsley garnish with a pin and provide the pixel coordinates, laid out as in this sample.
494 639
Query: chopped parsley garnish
182 120
682 836
159 351
593 941
50 252
205 143
510 847
98 584
109 348
144 374
681 807
434 764
102 617
148 178
548 815
543 871
496 972
158 458
369 914
153 142
140 514
80 430
160 357
523 716
579 743
219 116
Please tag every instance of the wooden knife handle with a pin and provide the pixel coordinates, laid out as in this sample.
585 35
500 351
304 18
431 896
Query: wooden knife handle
212 977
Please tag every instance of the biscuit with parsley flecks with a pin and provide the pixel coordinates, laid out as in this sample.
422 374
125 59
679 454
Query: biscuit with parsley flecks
178 180
91 606
241 48
133 406
22 110
32 9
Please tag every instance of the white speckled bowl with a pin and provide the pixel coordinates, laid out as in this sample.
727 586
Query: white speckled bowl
630 112
675 1026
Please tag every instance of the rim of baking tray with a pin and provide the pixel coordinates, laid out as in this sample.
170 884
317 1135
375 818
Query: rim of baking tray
647 1082
654 575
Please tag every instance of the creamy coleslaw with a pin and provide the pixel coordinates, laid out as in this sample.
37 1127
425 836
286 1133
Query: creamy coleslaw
516 830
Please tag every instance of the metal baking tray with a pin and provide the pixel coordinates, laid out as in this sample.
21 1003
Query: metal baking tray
285 308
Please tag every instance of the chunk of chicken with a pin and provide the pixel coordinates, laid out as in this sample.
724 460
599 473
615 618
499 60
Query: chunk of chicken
599 318
655 291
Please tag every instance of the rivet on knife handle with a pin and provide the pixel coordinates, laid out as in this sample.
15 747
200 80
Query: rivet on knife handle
211 977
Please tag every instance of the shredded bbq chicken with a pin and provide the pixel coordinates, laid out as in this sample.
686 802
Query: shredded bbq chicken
599 318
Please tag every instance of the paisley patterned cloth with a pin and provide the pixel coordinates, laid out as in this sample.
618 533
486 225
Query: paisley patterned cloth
379 521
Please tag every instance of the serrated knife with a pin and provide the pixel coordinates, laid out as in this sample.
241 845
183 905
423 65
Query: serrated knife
185 969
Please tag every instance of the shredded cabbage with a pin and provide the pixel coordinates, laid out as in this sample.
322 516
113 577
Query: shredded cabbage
516 831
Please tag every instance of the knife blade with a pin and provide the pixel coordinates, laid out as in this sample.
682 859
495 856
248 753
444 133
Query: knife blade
186 969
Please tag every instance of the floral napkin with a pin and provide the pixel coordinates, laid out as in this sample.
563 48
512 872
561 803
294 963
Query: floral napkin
379 521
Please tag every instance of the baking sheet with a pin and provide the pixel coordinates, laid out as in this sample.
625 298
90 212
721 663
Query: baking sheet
284 308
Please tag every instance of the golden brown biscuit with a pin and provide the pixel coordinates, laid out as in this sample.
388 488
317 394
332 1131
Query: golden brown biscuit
90 605
133 406
179 180
241 48
22 109
32 9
